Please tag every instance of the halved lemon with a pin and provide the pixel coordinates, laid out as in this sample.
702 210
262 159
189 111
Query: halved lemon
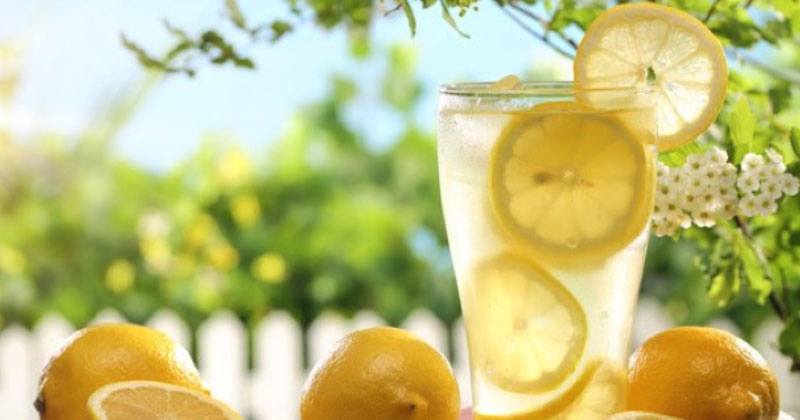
532 330
148 400
646 44
597 394
570 183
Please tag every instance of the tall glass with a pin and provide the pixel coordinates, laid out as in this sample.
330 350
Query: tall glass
547 194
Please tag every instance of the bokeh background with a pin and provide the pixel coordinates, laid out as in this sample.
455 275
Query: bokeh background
251 204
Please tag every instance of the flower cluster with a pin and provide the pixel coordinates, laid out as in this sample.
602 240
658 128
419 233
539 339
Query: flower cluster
708 188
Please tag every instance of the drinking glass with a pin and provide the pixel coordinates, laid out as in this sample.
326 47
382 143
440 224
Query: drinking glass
547 193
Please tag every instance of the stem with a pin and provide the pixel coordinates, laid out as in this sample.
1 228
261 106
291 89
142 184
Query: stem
711 11
539 36
774 300
545 24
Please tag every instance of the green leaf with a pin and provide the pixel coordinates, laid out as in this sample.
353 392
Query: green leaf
789 339
759 285
676 158
742 127
176 31
235 14
428 3
412 21
279 29
794 137
780 97
449 18
725 285
150 62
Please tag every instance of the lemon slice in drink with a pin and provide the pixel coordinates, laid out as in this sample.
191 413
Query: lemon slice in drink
598 393
533 331
570 183
138 400
641 44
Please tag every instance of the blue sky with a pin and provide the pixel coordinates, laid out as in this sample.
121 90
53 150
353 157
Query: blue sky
73 64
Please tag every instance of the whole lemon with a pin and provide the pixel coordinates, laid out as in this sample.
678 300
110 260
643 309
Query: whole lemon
104 354
702 373
381 373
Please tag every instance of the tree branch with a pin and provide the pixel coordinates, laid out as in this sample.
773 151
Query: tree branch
777 305
711 11
544 23
537 35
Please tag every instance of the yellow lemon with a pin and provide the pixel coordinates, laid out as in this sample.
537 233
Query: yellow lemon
702 373
381 374
103 354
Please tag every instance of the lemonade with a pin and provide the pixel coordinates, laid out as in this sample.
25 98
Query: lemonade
547 202
548 190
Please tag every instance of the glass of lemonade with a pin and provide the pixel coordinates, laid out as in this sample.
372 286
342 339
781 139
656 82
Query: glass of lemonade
547 194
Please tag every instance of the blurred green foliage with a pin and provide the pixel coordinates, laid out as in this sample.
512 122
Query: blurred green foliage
319 221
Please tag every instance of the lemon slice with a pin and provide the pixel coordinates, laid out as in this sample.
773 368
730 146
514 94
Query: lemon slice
641 44
533 331
640 415
148 400
567 182
597 394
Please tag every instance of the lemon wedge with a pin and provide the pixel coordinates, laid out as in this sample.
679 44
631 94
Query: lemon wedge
567 181
646 44
139 400
533 331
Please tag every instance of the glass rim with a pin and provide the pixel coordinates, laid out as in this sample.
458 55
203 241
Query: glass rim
534 87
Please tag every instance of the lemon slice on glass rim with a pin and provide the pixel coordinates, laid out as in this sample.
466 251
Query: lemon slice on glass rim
570 183
646 44
533 331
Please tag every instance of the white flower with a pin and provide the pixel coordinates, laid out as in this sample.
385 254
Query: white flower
772 188
676 179
727 173
748 182
703 218
771 170
709 174
662 227
728 208
748 205
696 184
717 156
789 184
766 205
726 192
663 194
662 170
774 156
694 163
679 218
752 161
710 201
691 201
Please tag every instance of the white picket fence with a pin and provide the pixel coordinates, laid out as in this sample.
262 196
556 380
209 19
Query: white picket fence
271 390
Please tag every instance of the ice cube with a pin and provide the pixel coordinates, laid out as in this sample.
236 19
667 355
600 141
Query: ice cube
509 82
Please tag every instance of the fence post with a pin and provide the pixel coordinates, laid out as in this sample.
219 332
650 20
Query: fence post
278 373
222 358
